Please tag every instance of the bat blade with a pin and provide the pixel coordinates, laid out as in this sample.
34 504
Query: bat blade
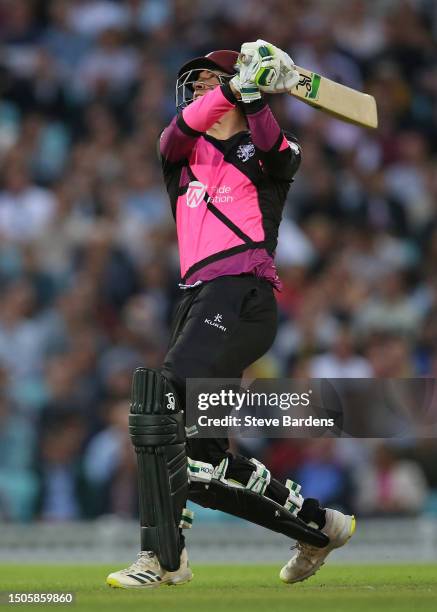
335 99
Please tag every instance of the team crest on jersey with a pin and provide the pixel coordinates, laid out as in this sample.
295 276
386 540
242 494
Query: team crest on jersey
195 193
246 151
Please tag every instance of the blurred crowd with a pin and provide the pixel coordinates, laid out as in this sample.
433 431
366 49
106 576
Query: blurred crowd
88 257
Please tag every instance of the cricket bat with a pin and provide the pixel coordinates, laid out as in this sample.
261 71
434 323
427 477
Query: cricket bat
338 100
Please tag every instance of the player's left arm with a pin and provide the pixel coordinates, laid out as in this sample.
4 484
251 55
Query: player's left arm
279 152
262 67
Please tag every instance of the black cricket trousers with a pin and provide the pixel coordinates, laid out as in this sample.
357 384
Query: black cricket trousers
244 311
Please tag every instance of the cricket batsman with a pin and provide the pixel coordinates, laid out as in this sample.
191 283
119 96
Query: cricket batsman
227 167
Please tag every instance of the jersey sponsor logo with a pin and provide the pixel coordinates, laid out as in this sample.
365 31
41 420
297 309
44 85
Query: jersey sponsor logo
195 193
221 195
246 151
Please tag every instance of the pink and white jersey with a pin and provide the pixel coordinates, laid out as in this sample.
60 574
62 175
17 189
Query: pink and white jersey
227 196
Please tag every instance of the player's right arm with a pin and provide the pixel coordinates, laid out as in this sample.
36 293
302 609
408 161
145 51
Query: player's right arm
178 139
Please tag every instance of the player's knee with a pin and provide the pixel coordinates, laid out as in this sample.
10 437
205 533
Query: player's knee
208 451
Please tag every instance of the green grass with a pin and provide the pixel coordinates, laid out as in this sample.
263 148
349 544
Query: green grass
218 588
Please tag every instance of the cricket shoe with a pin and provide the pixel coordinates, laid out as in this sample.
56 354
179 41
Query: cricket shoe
308 559
146 572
